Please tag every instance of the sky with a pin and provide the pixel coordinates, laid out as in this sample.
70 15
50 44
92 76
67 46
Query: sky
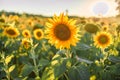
50 7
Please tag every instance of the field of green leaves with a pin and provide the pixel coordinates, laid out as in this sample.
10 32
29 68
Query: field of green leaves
58 48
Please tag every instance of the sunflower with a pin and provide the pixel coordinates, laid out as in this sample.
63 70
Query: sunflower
105 28
11 32
22 26
38 34
26 43
91 28
102 40
26 33
62 32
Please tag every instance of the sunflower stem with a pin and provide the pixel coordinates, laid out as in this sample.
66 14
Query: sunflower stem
66 76
6 69
106 55
34 62
68 55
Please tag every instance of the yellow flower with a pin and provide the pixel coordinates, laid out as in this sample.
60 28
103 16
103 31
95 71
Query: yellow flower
62 32
11 32
26 33
30 22
105 28
8 59
102 40
93 77
13 18
22 26
97 62
26 43
38 34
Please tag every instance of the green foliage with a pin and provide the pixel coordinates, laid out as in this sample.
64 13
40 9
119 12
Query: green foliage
43 61
78 73
26 70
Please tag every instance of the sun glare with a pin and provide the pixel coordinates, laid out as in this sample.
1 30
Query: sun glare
101 8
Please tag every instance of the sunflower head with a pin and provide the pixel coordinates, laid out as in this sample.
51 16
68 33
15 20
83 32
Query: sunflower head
83 21
30 22
2 20
11 32
38 34
105 28
22 26
91 28
26 43
102 23
26 33
13 18
62 32
102 40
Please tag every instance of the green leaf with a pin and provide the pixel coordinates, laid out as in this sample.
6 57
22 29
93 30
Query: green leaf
57 56
59 65
26 70
73 74
114 59
78 73
61 51
48 74
82 46
107 76
83 60
59 69
43 62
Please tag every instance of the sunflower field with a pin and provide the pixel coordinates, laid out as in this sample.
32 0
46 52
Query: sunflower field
60 47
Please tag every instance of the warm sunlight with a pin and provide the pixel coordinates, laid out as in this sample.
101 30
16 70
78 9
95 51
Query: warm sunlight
59 39
84 8
102 8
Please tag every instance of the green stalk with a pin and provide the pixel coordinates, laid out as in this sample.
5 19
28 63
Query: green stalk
66 76
35 63
6 67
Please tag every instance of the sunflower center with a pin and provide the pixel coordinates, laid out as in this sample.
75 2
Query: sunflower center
25 43
103 39
26 34
39 34
11 32
105 28
62 32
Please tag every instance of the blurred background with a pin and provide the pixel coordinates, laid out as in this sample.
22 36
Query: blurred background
84 8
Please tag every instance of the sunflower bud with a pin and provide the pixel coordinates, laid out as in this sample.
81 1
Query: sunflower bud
91 28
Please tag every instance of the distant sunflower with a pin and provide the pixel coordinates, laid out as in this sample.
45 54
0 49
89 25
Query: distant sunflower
11 32
26 33
22 26
102 40
105 28
38 34
26 43
62 32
